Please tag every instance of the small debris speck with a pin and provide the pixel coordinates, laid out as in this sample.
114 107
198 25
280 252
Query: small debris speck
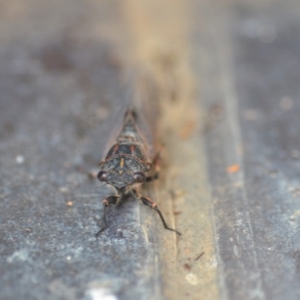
286 103
295 215
70 203
63 189
233 168
99 293
291 188
20 159
199 256
191 278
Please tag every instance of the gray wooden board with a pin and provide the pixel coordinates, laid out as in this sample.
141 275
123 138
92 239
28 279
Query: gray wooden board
57 94
250 70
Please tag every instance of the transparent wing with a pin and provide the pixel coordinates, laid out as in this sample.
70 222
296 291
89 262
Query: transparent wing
141 99
145 103
116 123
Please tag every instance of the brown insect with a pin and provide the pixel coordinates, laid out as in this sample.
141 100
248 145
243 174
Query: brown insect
127 165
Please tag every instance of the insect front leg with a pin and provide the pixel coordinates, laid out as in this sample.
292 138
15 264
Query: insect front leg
156 166
153 205
153 177
111 200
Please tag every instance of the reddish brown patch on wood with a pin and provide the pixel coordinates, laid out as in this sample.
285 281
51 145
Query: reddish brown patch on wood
233 168
188 129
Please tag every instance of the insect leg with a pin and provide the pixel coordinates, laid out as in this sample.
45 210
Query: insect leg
151 178
156 165
153 205
111 200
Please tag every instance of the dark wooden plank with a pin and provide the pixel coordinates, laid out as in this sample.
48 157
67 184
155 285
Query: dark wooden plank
271 140
249 70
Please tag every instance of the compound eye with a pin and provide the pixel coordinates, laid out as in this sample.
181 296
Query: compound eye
139 177
102 176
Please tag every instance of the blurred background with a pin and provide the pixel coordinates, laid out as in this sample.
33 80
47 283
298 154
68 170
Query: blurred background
226 76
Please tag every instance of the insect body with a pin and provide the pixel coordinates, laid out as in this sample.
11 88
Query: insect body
127 165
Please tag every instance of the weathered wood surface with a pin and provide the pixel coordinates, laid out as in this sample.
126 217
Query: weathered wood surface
255 70
227 76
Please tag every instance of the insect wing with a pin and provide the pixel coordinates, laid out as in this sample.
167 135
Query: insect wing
143 110
116 124
145 104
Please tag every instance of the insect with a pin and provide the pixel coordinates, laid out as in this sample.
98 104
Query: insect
127 165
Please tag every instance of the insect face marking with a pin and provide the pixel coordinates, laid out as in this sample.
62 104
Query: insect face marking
122 162
132 149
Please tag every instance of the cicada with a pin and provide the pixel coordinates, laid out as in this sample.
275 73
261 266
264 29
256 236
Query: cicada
129 163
